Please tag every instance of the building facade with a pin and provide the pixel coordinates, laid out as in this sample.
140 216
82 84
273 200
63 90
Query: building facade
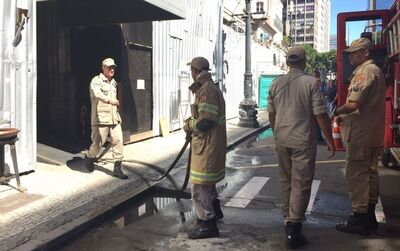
268 50
308 22
333 42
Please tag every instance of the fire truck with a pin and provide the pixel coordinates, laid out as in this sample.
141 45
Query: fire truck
382 27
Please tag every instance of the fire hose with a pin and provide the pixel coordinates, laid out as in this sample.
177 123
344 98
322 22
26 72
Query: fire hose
188 140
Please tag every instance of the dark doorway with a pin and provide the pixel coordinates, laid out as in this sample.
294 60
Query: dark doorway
89 46
69 57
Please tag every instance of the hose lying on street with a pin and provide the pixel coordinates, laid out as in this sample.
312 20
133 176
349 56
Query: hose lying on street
188 139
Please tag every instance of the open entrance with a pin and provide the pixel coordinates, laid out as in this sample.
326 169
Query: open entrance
69 57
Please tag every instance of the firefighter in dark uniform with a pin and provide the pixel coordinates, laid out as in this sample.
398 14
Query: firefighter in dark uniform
105 118
295 109
363 117
208 129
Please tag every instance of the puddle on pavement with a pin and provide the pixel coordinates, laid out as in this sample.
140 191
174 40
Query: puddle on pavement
256 151
149 206
130 215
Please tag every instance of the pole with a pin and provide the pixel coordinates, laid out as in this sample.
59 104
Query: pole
247 111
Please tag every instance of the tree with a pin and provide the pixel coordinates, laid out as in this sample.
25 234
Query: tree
324 62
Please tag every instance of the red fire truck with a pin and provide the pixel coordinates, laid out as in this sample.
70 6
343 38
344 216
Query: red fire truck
383 28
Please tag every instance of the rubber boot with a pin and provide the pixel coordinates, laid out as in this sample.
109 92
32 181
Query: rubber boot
294 237
372 222
204 229
89 163
217 209
118 172
357 223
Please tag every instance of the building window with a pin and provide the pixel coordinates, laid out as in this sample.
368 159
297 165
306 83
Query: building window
310 8
309 38
260 7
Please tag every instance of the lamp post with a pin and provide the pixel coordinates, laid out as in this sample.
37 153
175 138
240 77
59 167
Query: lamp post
247 111
291 11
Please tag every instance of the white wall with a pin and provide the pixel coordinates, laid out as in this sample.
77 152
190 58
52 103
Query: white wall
18 81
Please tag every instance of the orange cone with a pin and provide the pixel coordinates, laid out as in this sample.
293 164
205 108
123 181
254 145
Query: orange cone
336 135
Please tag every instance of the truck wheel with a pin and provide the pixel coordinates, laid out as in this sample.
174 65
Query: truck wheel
388 160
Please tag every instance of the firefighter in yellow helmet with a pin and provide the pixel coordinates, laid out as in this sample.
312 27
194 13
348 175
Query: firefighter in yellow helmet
208 129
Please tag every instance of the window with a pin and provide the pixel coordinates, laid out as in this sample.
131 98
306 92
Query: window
260 7
310 15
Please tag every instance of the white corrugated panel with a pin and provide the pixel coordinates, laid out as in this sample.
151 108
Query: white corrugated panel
174 44
18 81
234 68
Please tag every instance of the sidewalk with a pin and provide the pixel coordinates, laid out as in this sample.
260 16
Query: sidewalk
65 196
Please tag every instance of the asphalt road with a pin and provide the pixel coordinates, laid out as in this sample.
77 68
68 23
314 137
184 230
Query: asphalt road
250 198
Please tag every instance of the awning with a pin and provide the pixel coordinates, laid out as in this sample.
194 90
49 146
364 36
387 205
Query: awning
93 12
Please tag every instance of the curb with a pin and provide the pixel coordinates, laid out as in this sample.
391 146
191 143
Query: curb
53 238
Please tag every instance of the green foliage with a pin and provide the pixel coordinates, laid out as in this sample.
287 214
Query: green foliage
324 62
285 39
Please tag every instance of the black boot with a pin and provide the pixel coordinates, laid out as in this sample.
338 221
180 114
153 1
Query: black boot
294 237
357 223
217 209
89 163
204 229
118 172
372 222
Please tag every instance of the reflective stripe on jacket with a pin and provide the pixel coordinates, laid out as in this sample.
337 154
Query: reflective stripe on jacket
208 147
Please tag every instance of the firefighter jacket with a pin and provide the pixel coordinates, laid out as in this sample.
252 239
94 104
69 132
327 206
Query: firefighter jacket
366 126
208 147
101 91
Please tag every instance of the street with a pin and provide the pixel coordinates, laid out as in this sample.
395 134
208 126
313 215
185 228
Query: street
250 198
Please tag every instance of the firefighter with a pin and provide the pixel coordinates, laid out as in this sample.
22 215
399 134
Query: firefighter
363 117
208 129
105 118
295 108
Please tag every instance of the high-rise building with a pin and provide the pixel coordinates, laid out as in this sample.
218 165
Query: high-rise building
307 22
333 42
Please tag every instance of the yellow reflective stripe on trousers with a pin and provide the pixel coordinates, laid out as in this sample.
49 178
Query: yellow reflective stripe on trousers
206 177
205 107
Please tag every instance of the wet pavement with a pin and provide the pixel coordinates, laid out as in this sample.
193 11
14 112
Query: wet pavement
63 197
160 221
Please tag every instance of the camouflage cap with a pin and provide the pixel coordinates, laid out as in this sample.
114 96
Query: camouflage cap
296 54
200 64
358 44
108 62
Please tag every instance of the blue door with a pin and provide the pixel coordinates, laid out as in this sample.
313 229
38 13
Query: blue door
264 84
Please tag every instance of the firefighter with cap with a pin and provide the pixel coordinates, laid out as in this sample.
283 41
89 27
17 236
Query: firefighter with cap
208 130
363 117
295 107
105 117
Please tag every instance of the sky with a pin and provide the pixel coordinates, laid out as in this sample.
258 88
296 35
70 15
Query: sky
338 6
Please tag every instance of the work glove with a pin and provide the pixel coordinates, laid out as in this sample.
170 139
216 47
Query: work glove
186 126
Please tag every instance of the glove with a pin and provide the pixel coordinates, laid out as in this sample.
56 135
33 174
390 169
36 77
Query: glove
186 126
